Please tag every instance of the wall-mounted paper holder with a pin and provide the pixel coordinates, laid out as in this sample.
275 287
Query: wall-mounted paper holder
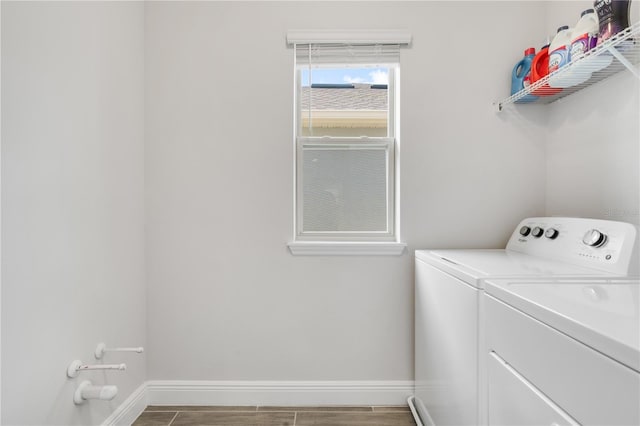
87 390
77 366
102 348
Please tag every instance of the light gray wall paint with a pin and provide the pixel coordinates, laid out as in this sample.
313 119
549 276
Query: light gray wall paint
226 299
594 153
593 142
72 204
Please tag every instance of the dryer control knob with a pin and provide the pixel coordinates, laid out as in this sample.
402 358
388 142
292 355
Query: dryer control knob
551 233
594 238
537 232
524 231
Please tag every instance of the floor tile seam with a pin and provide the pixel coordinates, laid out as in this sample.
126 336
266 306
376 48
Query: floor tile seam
324 411
341 412
272 411
174 417
215 411
391 411
387 407
283 410
182 408
354 408
252 412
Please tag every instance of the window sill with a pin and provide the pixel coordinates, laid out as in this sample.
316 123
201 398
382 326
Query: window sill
331 248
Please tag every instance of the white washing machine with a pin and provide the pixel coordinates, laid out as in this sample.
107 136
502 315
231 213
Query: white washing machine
563 352
450 377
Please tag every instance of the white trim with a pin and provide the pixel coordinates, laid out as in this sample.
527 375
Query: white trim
287 393
414 412
130 409
0 216
330 248
394 106
349 36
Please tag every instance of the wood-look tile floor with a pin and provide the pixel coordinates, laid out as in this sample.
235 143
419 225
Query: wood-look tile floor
274 416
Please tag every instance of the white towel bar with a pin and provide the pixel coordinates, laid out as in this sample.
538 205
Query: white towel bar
76 366
102 348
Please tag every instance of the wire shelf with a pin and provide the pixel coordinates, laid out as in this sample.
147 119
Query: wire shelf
618 53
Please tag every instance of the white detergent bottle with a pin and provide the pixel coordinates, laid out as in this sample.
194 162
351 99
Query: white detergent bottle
584 34
559 49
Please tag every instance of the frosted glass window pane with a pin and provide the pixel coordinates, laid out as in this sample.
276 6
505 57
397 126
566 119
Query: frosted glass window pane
344 190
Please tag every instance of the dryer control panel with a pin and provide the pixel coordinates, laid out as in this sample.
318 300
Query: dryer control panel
601 244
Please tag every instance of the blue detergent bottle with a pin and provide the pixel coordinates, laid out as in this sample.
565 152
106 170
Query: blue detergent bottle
521 76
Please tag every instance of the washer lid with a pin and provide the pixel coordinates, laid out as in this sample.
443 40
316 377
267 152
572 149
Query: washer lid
474 266
603 314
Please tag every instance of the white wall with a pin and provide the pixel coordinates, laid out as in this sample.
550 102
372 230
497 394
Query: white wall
226 300
593 145
72 204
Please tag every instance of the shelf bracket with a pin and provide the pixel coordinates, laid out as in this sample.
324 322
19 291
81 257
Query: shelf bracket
624 61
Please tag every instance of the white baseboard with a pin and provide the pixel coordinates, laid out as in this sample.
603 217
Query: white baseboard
130 409
290 393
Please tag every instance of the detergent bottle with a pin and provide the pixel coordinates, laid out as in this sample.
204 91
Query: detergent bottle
540 64
584 35
521 75
540 69
613 17
558 52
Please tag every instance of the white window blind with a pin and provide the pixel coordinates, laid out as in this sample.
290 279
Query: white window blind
349 55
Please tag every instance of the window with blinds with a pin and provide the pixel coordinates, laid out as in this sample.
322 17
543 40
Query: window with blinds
346 120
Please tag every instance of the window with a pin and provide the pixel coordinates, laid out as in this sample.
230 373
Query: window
346 148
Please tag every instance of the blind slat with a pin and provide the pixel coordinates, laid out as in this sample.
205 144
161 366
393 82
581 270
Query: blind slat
347 54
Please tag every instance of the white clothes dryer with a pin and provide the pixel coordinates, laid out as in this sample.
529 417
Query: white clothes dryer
563 352
450 377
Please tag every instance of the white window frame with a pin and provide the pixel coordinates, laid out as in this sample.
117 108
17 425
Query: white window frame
350 243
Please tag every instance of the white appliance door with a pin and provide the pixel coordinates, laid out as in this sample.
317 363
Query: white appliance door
446 364
591 387
513 401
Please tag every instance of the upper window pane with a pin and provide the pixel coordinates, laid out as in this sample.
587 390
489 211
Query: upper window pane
344 102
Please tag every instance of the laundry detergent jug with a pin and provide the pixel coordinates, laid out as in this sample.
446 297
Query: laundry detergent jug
584 35
558 51
521 75
540 69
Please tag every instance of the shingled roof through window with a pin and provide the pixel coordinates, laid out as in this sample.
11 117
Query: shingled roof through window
360 97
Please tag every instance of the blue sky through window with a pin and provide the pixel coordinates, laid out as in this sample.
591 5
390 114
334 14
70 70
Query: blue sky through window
346 75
